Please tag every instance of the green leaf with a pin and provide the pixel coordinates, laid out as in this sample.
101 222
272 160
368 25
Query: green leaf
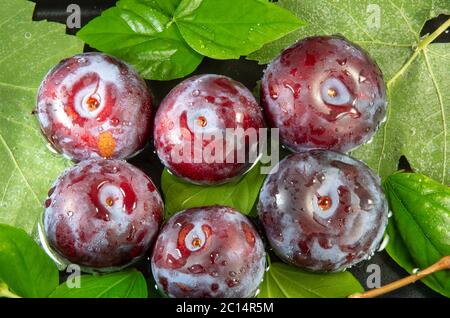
240 194
397 249
24 267
168 7
28 50
419 231
126 284
284 281
440 7
142 33
229 29
416 71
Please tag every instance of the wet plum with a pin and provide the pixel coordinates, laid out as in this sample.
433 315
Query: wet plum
191 124
94 106
208 252
323 210
324 92
102 214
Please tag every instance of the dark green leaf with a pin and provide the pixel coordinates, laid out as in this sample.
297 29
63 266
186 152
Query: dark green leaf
24 266
240 194
142 33
416 72
168 7
397 249
284 281
420 226
228 29
126 284
28 50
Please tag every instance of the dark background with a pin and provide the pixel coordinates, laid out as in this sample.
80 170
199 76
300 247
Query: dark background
247 72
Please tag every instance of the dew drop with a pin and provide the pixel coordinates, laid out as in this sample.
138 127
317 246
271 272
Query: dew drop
214 257
196 269
27 35
232 282
196 93
384 243
415 270
115 121
342 62
50 147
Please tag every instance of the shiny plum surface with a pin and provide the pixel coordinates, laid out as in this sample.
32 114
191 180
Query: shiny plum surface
324 92
94 106
208 252
323 210
102 213
196 110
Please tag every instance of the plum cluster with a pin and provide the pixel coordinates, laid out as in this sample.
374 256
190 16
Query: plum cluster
320 209
323 210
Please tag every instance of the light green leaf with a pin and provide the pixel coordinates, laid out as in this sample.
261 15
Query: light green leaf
441 7
419 230
25 269
416 71
125 284
142 33
229 29
284 281
28 50
240 194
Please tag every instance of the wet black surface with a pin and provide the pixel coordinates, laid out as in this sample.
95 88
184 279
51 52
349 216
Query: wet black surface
247 72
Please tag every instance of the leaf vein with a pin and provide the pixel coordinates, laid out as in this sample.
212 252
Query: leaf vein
442 110
16 164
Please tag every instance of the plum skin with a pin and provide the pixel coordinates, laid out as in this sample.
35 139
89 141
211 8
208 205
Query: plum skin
203 105
324 92
93 105
208 252
102 214
323 211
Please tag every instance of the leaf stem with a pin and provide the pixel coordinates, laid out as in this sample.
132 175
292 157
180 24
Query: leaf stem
433 36
442 264
421 46
5 292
